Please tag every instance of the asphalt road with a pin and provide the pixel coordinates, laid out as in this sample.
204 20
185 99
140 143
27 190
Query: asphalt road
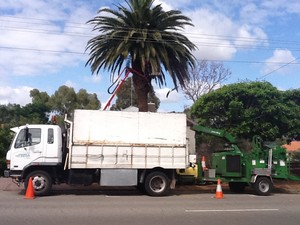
127 206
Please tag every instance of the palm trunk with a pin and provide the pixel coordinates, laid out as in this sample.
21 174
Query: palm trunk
141 86
142 89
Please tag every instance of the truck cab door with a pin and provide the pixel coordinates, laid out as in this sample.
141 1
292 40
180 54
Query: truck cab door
27 148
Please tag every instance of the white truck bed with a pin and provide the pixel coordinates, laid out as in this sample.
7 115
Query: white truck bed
114 139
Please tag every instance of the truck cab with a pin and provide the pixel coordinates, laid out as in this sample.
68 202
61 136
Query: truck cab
32 146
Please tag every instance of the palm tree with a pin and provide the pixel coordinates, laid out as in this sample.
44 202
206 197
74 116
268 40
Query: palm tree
147 36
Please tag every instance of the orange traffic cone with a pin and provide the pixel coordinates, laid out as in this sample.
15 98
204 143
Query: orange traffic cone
29 190
219 193
203 163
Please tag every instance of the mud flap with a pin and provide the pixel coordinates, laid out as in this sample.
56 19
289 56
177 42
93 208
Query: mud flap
173 181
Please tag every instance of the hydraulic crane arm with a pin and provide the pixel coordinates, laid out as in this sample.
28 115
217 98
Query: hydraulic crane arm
215 132
118 83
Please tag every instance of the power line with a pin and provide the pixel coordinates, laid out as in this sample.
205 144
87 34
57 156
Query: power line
198 43
44 31
205 39
84 53
286 64
249 62
42 50
39 19
199 35
209 38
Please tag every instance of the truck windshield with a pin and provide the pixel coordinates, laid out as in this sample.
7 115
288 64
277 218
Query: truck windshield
34 137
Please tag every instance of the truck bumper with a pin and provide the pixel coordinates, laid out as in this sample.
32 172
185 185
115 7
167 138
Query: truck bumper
13 174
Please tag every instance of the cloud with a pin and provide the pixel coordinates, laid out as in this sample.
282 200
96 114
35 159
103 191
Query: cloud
173 96
280 62
281 7
164 5
264 13
48 41
210 34
57 39
70 84
93 78
249 36
171 4
252 13
220 37
174 102
19 95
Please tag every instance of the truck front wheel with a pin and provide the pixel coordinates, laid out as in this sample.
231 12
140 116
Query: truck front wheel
263 186
41 182
157 184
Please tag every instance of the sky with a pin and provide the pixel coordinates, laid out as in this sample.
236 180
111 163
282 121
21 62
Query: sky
43 42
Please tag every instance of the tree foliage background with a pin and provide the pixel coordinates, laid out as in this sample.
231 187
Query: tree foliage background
250 108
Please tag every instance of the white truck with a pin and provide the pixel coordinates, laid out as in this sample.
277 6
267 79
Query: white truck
105 147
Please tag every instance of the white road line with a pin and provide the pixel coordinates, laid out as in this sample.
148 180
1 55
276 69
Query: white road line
227 210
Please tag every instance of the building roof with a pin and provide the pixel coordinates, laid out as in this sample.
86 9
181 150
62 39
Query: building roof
293 146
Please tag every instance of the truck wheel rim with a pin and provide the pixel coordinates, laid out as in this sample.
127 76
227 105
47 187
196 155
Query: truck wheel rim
38 183
264 186
157 184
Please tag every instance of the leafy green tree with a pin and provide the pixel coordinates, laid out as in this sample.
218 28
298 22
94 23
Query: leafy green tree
4 114
148 37
244 109
86 100
65 100
10 115
291 98
39 97
126 97
34 113
40 108
5 138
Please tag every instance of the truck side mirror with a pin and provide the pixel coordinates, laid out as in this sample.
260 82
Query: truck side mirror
26 134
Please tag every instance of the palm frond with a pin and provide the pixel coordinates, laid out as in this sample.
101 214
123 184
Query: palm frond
145 33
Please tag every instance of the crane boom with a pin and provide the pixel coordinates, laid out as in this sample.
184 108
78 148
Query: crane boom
215 132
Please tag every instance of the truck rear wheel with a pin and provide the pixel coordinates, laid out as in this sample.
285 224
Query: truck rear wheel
263 186
157 184
41 182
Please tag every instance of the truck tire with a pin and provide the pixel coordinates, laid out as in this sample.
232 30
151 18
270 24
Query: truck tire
263 186
237 187
41 182
157 184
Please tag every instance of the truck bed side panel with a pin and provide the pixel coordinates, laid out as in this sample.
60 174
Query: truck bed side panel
109 127
128 157
106 139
